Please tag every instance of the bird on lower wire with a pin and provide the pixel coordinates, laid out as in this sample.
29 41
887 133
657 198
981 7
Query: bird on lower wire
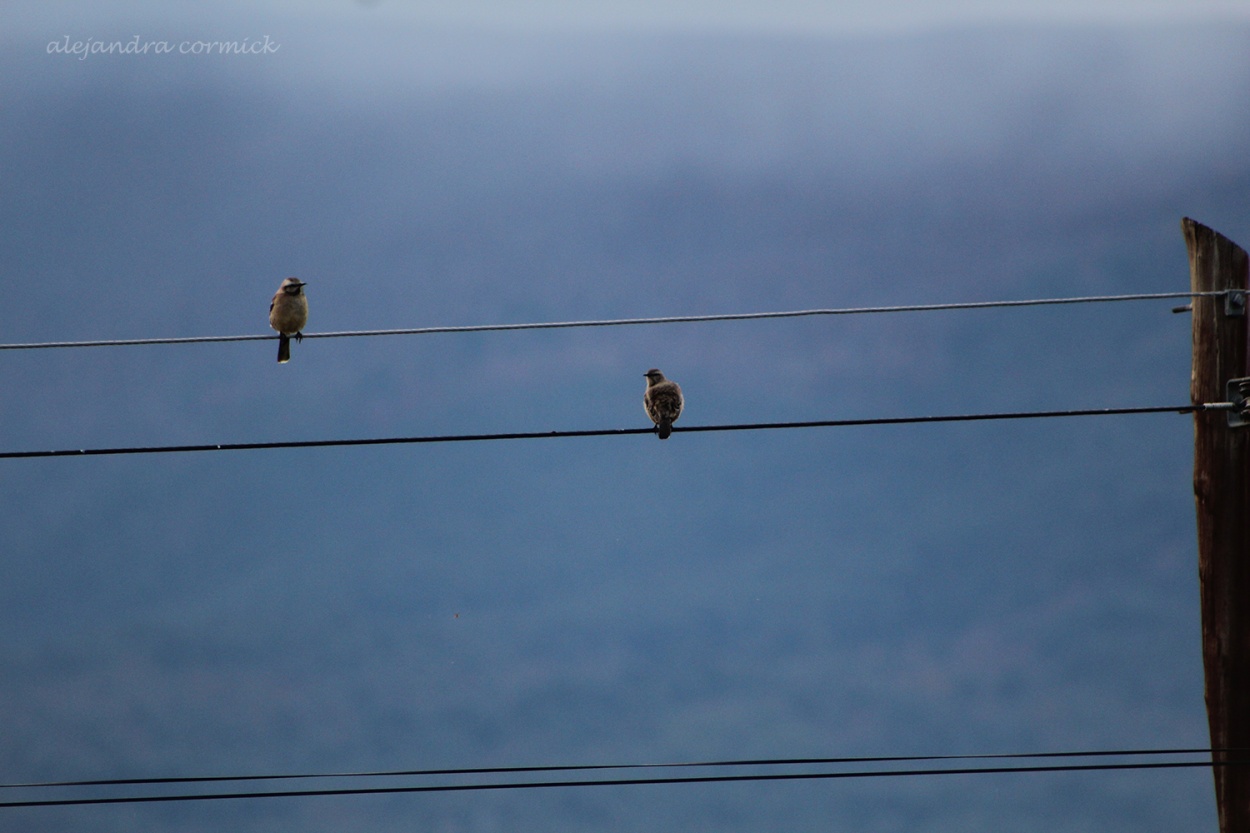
288 313
663 402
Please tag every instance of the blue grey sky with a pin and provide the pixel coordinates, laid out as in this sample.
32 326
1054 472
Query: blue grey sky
1024 586
804 15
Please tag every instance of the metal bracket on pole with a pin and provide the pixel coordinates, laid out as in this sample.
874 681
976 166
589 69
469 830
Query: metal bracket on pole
1235 303
1239 398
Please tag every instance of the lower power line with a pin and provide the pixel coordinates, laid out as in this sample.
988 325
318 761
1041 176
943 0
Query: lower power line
625 782
609 432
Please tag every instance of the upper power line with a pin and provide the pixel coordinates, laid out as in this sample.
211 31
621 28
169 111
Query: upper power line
708 764
624 322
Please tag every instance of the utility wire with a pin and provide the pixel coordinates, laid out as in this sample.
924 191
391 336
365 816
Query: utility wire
496 770
607 432
622 782
621 322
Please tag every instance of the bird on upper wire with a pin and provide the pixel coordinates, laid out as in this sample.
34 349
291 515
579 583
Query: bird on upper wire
288 313
663 402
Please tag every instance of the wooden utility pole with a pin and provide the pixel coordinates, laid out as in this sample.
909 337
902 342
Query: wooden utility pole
1222 494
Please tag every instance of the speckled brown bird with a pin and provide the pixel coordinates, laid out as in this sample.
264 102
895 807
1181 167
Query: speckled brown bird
288 313
663 402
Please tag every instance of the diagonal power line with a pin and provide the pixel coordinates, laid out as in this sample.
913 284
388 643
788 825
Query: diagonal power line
607 432
622 322
622 782
514 770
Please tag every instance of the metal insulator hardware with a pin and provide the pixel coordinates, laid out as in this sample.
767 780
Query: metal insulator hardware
1239 397
1235 303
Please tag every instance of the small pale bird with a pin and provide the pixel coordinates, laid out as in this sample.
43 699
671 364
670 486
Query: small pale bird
288 313
663 402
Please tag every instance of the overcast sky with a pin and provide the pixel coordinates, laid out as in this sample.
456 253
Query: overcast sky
993 588
792 15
